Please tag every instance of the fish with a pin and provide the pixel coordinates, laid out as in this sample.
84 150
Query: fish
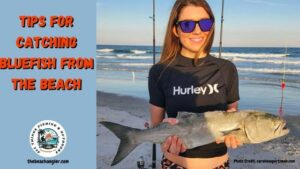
197 129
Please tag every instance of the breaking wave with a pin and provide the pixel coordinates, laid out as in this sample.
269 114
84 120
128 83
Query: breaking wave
105 50
278 62
271 71
250 55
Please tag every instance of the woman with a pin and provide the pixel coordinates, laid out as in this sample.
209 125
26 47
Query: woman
187 78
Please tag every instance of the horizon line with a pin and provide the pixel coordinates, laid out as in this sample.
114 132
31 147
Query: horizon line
212 46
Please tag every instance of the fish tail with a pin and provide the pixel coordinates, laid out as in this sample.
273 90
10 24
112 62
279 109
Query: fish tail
127 136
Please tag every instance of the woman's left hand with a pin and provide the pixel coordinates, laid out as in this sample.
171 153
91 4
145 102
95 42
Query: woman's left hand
231 141
173 144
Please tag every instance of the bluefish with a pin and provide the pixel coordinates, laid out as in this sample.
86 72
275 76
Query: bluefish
196 129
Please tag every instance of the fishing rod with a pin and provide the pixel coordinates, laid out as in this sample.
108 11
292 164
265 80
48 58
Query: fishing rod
153 22
154 145
141 161
221 31
283 85
153 19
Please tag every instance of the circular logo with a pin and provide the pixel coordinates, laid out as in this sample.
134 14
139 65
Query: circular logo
48 138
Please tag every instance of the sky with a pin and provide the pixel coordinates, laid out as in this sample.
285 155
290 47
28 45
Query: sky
247 23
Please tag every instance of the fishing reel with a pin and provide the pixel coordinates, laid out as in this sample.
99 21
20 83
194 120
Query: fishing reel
141 161
141 164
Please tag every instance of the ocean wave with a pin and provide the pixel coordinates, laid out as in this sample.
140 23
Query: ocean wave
278 62
123 56
106 57
138 51
250 55
107 50
136 64
269 80
133 57
123 51
100 68
120 55
112 69
271 71
126 64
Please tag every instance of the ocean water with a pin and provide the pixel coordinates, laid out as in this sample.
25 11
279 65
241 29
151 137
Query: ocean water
124 70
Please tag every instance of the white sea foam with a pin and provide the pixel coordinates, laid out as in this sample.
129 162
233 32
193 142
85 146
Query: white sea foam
272 71
278 62
136 64
113 69
250 55
106 57
105 50
120 55
123 56
134 57
138 51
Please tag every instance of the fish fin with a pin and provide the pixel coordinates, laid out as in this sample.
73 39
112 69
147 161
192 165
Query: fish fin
240 135
230 131
124 149
126 135
184 115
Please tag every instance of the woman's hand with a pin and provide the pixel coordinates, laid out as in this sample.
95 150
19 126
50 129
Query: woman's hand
231 141
173 144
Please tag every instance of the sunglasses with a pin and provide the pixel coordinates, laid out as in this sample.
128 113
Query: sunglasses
188 26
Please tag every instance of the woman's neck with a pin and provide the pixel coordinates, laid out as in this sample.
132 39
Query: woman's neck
193 55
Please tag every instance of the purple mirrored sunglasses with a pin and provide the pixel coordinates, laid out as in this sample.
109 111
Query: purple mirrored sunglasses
188 26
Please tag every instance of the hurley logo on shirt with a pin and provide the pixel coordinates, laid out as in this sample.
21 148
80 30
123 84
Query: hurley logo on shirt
210 89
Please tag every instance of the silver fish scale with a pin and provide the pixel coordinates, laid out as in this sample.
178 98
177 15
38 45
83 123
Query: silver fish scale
193 131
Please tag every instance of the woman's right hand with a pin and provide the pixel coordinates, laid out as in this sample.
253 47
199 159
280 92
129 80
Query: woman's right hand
173 144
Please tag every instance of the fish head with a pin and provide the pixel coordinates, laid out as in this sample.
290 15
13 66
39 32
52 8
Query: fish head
261 127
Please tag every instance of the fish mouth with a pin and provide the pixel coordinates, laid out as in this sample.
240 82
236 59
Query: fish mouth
282 129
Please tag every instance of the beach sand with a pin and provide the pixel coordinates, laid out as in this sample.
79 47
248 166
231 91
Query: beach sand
281 153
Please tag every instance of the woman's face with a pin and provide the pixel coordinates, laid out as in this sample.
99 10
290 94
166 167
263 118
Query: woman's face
191 42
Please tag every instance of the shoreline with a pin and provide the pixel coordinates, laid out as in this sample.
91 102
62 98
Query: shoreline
138 107
132 111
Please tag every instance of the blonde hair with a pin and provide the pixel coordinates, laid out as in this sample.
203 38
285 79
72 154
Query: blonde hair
172 45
